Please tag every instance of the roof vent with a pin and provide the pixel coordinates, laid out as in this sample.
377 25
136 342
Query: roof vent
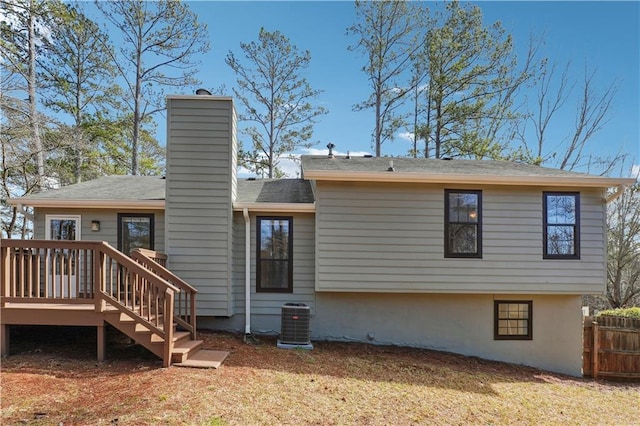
348 157
447 158
251 178
391 169
203 92
330 146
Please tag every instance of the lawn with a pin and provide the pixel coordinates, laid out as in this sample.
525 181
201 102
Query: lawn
51 377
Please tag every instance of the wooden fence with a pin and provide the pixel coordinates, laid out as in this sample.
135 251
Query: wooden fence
611 348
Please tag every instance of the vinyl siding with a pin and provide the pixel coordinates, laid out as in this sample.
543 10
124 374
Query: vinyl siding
390 238
108 224
303 266
201 135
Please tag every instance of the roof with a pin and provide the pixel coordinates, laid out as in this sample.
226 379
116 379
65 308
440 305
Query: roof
275 195
274 191
430 170
150 192
107 191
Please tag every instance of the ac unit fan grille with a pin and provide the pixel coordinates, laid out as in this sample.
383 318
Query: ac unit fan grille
295 324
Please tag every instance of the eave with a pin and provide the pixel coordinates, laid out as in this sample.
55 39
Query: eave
89 204
408 177
276 207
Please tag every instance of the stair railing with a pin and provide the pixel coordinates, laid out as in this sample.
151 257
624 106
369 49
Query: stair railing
185 298
138 292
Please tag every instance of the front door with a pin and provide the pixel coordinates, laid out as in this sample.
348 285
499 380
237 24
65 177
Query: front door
62 264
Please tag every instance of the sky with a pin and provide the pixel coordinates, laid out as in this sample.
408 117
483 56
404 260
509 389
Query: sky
604 36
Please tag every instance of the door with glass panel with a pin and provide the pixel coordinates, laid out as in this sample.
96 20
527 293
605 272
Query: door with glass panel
61 264
135 230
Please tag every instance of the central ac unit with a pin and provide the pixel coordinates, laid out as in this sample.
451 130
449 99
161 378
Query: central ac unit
295 330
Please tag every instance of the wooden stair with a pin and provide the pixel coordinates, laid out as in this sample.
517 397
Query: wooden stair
185 352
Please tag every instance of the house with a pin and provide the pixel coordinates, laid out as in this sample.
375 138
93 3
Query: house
484 258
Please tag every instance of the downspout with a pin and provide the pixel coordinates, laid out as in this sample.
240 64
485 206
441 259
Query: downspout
247 272
616 194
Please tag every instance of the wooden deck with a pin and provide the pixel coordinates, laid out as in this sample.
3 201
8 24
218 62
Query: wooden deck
82 283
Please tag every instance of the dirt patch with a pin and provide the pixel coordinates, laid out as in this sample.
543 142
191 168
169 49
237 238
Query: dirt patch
51 377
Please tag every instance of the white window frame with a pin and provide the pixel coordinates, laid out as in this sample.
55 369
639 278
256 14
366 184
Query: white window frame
50 217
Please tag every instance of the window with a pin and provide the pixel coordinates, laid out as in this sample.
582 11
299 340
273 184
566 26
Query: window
135 231
513 320
274 257
463 223
561 225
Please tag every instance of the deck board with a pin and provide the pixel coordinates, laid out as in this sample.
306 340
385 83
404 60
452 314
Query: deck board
83 314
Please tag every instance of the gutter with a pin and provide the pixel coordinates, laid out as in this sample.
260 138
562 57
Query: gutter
275 207
247 272
89 204
581 181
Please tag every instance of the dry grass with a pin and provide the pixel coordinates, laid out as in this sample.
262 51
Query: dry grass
49 381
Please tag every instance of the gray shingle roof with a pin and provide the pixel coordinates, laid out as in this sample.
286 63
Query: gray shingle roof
128 188
429 166
274 191
146 188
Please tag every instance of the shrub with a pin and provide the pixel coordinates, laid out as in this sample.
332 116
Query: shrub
622 312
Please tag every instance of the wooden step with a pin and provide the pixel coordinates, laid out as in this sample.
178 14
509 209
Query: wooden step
182 350
204 358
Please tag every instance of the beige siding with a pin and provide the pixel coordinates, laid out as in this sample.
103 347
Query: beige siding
108 223
200 135
390 238
303 266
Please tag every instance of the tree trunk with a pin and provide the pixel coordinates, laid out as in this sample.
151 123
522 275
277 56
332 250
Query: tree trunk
33 104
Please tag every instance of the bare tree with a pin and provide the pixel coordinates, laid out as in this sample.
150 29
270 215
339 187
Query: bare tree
276 97
593 112
387 34
161 42
623 266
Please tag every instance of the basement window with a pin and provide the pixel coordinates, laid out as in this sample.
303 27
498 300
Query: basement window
463 223
513 320
274 256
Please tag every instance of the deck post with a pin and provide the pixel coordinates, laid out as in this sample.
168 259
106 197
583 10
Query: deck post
99 278
6 274
4 339
101 342
168 328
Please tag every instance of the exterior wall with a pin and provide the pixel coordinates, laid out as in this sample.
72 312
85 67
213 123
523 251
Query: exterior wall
455 323
390 238
108 224
200 164
266 307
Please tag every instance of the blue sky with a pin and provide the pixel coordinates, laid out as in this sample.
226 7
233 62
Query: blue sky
603 35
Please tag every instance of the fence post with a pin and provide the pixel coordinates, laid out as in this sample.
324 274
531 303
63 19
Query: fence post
596 348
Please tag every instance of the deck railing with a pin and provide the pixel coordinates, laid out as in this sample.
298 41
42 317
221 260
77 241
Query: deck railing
45 271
